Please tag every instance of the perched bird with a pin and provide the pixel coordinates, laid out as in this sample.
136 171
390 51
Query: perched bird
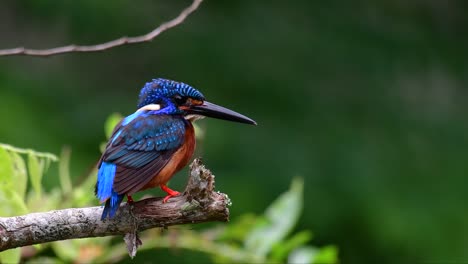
149 146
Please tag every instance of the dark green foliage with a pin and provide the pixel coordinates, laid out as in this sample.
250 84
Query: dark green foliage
364 99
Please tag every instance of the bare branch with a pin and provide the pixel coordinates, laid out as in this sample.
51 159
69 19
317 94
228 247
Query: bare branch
107 45
199 203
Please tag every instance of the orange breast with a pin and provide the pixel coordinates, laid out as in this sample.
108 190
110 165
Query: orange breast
180 158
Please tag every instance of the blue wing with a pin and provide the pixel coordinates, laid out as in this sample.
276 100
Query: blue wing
140 146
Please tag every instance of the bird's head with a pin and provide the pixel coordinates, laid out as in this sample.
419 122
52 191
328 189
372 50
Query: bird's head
171 97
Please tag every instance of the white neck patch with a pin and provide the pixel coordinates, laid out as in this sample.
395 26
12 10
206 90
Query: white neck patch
150 107
193 118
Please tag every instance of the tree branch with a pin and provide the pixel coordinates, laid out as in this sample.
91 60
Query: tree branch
107 45
199 203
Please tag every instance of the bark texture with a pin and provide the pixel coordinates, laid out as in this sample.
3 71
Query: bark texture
198 203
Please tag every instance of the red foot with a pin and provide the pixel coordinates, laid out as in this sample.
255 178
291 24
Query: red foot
170 193
129 199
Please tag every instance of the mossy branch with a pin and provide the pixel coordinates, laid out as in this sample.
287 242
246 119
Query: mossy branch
198 203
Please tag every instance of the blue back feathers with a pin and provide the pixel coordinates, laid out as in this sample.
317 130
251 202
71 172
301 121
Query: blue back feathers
160 90
140 141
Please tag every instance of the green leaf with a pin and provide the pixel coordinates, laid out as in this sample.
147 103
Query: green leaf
47 162
280 218
81 196
6 169
35 172
6 208
303 255
281 250
16 202
110 124
64 171
327 254
66 250
8 204
52 200
199 131
239 228
44 260
11 255
43 155
308 254
102 147
20 175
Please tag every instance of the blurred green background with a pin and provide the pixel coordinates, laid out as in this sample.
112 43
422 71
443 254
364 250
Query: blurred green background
365 100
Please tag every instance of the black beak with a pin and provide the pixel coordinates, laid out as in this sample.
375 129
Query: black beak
211 110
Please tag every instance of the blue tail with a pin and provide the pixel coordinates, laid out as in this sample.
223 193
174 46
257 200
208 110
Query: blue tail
105 192
112 205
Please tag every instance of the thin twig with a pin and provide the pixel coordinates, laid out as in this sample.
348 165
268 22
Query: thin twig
107 45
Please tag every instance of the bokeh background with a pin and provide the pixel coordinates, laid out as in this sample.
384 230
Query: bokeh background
366 100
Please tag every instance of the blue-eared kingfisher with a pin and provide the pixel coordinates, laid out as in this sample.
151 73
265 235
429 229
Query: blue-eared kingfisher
149 146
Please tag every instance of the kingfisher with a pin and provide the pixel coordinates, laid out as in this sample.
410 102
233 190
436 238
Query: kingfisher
149 146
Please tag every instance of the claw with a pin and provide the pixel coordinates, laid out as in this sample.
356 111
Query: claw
170 193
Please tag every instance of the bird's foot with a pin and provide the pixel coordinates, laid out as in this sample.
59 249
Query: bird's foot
129 199
170 193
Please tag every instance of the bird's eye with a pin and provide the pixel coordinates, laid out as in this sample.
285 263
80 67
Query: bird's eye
180 100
